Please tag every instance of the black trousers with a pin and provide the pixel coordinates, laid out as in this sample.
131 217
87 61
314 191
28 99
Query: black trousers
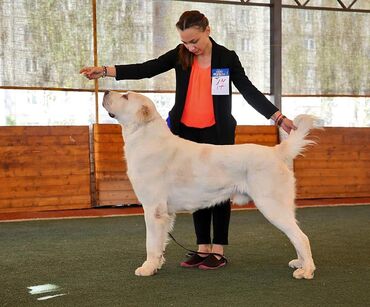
219 213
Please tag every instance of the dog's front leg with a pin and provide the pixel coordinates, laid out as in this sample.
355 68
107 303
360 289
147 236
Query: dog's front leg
156 224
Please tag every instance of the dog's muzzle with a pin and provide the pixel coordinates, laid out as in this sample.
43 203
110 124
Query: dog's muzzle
106 93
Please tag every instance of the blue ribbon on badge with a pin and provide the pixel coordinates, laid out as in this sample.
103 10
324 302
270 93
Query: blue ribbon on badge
220 72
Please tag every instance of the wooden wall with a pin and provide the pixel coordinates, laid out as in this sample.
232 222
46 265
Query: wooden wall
112 186
48 168
263 135
338 166
44 168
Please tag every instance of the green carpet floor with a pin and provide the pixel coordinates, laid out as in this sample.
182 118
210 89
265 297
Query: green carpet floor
93 262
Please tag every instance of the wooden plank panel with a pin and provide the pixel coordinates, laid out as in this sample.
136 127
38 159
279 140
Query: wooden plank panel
112 202
56 169
262 135
108 138
45 201
338 166
117 185
40 191
54 150
256 139
37 158
117 197
332 180
302 164
107 129
342 191
44 140
340 147
111 182
111 166
338 135
110 176
41 130
337 150
332 155
101 148
36 182
336 172
102 157
54 207
44 168
247 129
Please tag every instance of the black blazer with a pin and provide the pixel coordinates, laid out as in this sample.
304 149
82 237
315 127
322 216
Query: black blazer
221 58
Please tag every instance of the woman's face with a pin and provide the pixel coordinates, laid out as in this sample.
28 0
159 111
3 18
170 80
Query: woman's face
195 40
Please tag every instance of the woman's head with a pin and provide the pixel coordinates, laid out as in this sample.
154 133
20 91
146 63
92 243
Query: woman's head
194 30
191 19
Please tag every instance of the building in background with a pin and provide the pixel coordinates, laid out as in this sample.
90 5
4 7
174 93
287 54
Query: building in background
45 43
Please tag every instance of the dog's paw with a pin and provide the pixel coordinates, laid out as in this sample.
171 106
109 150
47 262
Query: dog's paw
147 269
296 264
303 274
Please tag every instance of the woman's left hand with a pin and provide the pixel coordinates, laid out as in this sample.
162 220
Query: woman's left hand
287 125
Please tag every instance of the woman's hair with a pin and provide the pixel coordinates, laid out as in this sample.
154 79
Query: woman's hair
188 20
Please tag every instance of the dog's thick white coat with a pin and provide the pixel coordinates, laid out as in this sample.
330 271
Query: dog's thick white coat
170 174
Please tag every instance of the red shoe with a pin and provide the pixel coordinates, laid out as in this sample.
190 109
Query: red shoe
212 263
193 262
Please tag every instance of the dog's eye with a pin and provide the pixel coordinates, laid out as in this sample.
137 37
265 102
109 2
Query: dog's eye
125 96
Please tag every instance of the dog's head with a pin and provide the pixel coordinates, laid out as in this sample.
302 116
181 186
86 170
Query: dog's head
130 107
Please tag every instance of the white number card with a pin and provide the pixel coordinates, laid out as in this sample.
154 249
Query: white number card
220 81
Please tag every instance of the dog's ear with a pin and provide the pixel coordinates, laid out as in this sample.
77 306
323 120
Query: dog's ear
144 114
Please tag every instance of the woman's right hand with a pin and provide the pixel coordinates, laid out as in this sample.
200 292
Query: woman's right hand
92 72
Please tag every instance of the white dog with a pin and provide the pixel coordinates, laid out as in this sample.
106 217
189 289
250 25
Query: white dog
170 174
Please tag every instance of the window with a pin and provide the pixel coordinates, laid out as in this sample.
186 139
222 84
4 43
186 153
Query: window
324 53
337 48
309 44
31 65
332 111
245 16
246 45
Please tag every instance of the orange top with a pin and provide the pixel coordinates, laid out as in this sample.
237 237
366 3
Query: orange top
198 111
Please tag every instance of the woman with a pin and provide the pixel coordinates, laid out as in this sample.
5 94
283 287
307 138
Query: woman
202 112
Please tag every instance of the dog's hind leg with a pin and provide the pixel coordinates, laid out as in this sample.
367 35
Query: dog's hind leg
304 265
283 218
157 222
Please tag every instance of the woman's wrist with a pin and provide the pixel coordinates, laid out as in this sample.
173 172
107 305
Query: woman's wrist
278 118
108 71
105 72
275 115
111 71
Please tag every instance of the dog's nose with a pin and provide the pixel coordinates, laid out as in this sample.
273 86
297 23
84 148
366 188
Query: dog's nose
106 93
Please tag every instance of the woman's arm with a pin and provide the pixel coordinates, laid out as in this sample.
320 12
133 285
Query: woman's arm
255 98
149 68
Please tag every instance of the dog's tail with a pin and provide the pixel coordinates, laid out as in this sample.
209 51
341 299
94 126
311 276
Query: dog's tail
296 142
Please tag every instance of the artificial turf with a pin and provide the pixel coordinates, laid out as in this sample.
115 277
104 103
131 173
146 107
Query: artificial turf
93 262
